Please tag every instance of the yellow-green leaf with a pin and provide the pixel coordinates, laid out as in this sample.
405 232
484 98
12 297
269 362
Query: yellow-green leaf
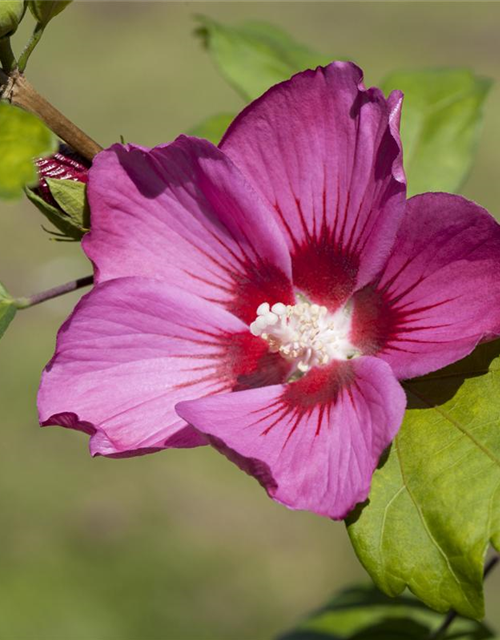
253 56
23 137
213 128
434 506
440 125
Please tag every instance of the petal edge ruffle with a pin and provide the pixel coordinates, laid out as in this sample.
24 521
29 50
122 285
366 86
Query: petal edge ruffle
131 350
312 444
439 294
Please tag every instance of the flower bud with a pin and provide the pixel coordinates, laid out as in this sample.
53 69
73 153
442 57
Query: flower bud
61 195
66 164
11 14
44 10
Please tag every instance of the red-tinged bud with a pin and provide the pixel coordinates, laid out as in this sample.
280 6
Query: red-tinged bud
61 192
66 164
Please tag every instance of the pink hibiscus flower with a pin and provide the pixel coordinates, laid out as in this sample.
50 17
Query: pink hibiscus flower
266 296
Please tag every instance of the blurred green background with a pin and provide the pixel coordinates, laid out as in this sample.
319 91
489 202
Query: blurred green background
178 545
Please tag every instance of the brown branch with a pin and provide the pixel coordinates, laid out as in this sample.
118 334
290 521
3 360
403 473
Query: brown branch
16 89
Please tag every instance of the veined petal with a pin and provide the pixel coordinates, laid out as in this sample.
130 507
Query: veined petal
312 444
131 350
439 294
325 154
185 214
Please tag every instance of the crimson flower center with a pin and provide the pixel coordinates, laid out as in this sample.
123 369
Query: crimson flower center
305 334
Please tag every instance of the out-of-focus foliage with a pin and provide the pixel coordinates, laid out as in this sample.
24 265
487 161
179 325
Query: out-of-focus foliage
440 125
23 137
364 613
434 504
212 128
255 55
442 111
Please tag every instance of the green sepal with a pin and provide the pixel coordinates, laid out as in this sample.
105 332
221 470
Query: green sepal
44 10
213 128
57 217
7 309
71 196
434 505
23 137
440 125
254 56
364 613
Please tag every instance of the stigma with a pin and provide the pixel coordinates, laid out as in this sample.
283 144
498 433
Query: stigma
305 334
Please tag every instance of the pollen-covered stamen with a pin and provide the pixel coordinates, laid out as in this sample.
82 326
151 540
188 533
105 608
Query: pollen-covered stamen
305 334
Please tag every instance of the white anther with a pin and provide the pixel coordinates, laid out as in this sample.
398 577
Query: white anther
271 318
279 309
254 329
261 322
305 334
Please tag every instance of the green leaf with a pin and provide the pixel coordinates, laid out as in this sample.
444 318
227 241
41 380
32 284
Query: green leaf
57 217
254 56
23 137
434 505
71 196
213 128
11 14
440 127
7 310
44 10
363 613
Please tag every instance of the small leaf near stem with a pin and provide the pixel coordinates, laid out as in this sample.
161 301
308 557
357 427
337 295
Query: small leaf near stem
55 292
29 48
450 617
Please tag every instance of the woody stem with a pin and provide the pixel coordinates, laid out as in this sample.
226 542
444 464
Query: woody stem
16 89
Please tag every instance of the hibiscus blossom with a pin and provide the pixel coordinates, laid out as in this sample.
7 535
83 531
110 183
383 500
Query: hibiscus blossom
266 296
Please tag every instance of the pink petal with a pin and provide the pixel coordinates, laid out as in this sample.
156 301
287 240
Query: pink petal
185 214
325 154
131 350
439 294
313 444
